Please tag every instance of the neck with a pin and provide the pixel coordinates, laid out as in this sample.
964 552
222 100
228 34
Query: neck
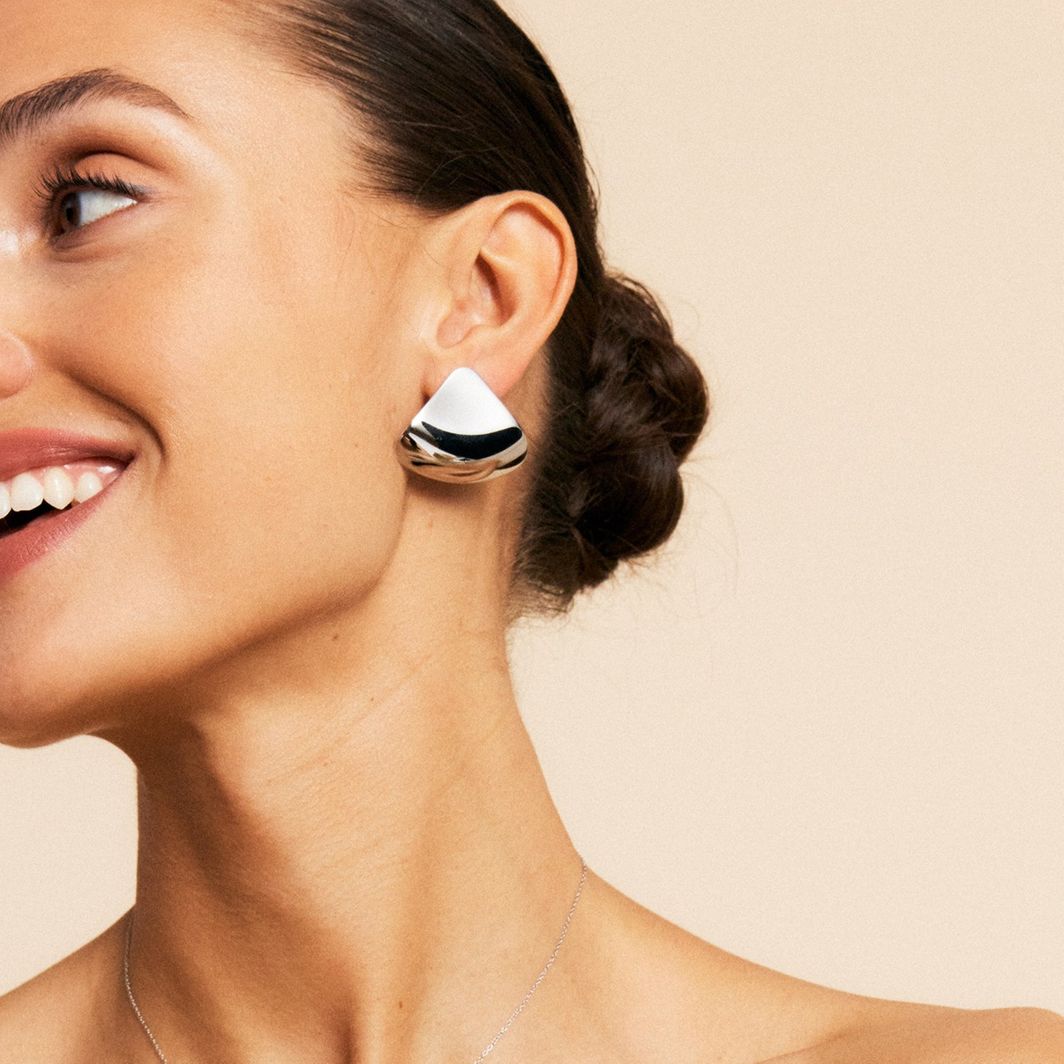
355 861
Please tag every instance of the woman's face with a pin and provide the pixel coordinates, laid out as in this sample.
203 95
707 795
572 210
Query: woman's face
239 326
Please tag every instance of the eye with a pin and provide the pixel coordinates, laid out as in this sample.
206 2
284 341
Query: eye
84 199
92 206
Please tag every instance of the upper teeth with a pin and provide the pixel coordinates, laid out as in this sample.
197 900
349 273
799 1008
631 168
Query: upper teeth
56 485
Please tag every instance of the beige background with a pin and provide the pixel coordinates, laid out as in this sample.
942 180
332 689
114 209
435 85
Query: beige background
826 729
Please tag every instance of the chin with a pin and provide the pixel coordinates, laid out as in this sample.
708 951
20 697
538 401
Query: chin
41 704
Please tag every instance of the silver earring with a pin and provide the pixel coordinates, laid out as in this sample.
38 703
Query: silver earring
463 433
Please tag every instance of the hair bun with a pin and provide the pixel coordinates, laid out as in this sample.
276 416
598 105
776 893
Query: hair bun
619 434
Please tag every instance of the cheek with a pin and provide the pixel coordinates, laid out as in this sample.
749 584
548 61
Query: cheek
267 487
278 488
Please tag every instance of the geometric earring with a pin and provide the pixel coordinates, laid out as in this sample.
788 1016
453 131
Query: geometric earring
463 433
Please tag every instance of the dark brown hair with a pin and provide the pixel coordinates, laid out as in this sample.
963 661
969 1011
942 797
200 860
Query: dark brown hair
458 103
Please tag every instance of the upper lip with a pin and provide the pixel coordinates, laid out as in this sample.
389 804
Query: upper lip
35 448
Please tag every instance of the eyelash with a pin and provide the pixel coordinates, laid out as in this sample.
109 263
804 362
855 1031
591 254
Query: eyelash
67 179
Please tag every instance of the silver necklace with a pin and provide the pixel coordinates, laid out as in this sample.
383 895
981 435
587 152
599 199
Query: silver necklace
484 1052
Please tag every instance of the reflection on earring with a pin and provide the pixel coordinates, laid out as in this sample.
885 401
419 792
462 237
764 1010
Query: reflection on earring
463 433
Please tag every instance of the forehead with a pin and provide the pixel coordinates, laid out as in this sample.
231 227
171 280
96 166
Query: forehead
239 97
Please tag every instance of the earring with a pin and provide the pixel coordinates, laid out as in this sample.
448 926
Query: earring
463 433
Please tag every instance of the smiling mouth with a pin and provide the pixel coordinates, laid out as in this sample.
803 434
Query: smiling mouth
78 491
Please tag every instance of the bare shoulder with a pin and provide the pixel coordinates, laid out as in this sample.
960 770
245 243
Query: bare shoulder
730 1008
1010 1036
893 1032
51 1017
673 995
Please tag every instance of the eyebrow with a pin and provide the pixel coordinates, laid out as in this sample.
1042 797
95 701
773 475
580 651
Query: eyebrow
29 111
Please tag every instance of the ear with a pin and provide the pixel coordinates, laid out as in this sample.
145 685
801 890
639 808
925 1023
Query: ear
508 266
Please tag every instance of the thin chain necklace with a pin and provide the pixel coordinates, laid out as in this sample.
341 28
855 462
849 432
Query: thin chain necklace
484 1052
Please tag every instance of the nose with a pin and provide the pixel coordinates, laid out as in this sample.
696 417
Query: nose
16 364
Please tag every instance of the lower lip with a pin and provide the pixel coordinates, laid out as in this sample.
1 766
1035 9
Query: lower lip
22 548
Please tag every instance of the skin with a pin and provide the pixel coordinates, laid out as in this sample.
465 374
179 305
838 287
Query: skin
347 846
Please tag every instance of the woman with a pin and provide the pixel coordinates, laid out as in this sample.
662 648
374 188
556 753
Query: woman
317 287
